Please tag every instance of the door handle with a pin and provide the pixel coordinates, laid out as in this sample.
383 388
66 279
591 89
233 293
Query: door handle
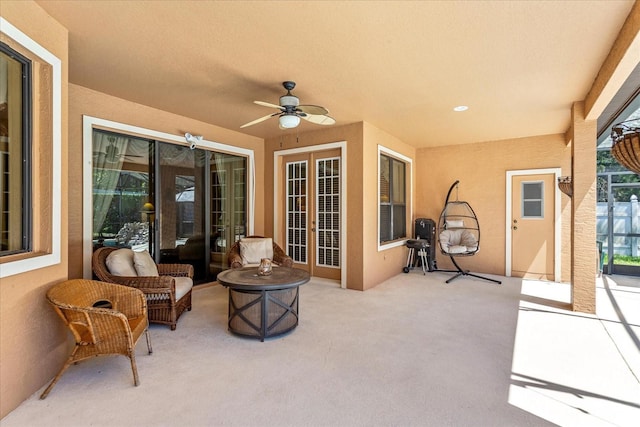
515 227
313 230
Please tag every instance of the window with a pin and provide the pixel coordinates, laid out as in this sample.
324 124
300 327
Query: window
15 123
533 199
31 154
392 176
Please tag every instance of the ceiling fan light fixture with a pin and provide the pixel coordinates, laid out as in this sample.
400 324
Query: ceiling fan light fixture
288 121
289 101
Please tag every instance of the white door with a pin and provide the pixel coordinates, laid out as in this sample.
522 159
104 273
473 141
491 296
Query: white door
532 233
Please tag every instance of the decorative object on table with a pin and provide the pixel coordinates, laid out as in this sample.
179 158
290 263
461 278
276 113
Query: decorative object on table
264 269
104 318
167 286
565 184
626 144
290 111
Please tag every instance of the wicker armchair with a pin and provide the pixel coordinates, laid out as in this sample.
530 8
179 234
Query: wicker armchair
105 319
159 290
234 258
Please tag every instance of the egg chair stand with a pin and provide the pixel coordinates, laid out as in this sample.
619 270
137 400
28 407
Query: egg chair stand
459 234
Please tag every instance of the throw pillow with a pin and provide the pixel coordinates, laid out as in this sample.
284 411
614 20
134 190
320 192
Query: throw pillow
120 262
254 249
144 264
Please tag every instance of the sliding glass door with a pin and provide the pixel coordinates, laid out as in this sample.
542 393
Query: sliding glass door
182 205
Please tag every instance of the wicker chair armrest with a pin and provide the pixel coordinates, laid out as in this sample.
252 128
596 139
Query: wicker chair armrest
131 302
235 260
281 258
175 270
158 283
99 324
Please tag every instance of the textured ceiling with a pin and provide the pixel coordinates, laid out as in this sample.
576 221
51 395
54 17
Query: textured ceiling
401 66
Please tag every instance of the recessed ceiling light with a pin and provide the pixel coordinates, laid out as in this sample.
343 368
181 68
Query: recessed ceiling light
460 108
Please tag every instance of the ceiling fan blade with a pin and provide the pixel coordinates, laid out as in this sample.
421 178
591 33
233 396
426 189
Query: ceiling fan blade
312 109
256 121
319 119
267 104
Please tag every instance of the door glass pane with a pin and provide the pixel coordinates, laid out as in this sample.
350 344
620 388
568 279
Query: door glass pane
181 207
228 207
328 212
532 199
123 210
296 226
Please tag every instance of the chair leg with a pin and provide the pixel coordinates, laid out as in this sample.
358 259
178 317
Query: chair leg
146 332
462 272
66 365
134 368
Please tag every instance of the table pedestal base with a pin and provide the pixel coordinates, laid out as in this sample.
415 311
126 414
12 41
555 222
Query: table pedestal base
263 313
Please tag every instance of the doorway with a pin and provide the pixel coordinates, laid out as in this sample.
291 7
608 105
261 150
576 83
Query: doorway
182 205
533 248
618 223
310 206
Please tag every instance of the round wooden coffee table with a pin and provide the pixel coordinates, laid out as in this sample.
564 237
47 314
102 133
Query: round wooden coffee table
263 306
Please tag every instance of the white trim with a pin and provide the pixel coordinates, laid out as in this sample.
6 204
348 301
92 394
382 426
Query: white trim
557 216
88 123
342 145
392 153
53 258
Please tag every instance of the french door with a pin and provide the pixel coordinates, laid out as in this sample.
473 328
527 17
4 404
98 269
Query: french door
311 185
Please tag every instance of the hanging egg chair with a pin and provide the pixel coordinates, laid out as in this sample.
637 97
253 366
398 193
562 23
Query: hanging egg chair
459 233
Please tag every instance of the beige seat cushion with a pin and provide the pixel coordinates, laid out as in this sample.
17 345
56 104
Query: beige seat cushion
144 264
254 249
120 263
183 285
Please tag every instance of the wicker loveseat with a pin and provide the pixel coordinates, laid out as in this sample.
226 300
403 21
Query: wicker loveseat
160 291
236 260
104 318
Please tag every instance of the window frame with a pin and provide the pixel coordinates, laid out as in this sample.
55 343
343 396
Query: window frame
45 248
26 239
408 186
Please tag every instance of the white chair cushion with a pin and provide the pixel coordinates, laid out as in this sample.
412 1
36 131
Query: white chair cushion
254 249
144 264
120 263
183 285
455 223
458 241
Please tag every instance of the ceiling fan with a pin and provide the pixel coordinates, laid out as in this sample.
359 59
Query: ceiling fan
290 111
111 153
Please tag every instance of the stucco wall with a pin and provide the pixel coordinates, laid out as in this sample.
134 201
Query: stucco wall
381 265
33 342
88 102
481 169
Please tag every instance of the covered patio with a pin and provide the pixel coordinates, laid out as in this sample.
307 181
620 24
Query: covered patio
467 353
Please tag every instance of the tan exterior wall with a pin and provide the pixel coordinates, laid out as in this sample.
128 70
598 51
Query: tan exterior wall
481 169
88 102
33 342
381 265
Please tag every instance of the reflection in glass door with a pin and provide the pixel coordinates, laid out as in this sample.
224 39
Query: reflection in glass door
181 207
122 191
228 219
